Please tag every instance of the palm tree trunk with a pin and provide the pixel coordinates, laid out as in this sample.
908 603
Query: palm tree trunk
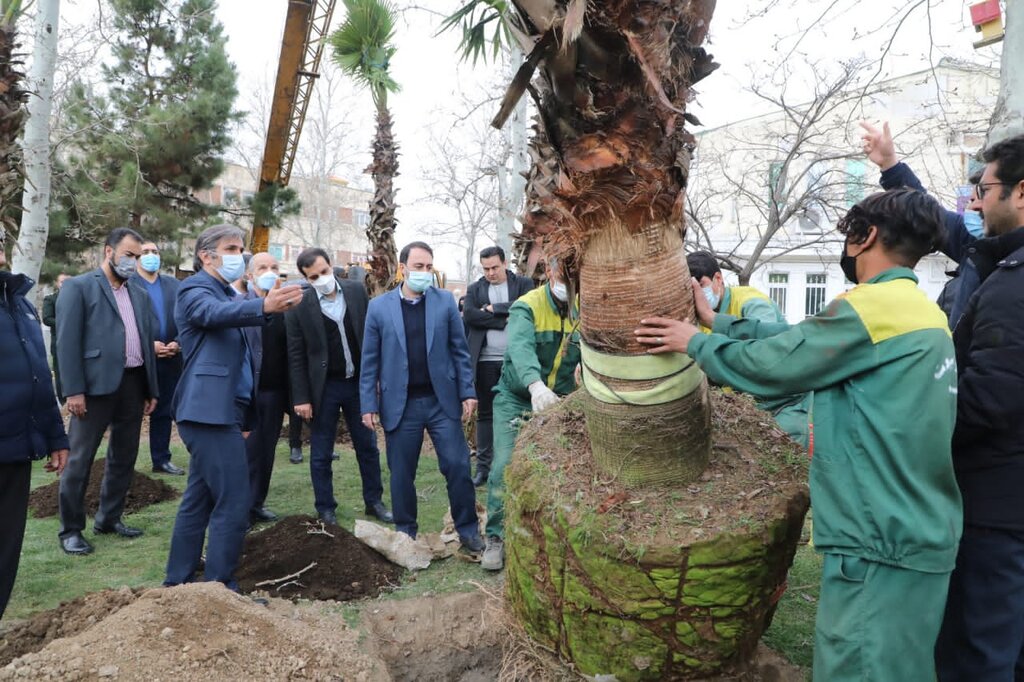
381 231
12 121
637 436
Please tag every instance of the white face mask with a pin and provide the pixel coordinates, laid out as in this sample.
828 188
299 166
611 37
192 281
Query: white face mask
325 286
559 291
713 298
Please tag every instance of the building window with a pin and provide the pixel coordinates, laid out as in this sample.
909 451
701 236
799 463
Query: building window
232 197
778 283
814 299
362 219
276 250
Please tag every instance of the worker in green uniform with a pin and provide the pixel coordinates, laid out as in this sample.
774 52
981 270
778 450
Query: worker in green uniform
887 510
792 412
738 301
539 368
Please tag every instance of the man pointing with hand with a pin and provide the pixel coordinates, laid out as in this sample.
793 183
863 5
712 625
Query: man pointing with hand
213 405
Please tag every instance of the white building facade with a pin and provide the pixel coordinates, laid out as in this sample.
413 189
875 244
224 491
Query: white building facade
776 185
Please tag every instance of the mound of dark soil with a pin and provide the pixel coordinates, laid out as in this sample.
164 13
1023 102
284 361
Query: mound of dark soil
300 557
67 620
43 501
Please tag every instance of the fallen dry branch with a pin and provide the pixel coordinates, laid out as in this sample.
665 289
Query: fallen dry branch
274 581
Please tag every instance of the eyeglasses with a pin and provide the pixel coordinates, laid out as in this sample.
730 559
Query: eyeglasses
982 187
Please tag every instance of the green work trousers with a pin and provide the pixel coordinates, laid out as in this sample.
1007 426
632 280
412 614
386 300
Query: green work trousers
877 622
509 411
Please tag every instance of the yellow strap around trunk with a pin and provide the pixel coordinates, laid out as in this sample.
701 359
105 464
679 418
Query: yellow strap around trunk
681 376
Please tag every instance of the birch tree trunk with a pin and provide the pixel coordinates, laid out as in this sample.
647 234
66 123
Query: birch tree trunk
1008 118
35 222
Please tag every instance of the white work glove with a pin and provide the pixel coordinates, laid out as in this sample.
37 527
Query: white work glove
541 396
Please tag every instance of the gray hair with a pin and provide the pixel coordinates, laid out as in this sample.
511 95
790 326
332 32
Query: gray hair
211 238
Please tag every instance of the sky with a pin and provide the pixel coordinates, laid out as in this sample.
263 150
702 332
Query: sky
749 48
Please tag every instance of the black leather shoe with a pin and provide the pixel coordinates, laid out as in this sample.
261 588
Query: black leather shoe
380 511
169 468
118 528
262 514
296 456
480 477
328 517
75 544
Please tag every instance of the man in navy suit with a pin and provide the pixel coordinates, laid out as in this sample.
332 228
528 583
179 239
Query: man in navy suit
163 291
213 404
415 375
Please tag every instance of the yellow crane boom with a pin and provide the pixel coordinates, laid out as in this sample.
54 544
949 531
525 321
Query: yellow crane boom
305 32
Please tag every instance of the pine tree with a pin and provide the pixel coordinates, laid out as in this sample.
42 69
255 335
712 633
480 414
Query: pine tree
154 132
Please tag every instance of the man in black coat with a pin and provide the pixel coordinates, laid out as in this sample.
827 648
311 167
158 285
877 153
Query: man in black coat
108 375
163 291
485 313
982 636
271 390
30 423
325 339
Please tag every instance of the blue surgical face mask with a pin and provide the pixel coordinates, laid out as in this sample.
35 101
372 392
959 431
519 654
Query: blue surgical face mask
232 266
267 280
975 224
713 298
150 262
420 281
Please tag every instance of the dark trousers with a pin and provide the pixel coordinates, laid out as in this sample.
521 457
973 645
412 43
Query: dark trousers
122 412
487 375
271 404
294 429
403 452
343 395
982 633
216 499
14 488
167 374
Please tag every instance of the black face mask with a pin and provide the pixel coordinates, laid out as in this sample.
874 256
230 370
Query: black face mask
849 265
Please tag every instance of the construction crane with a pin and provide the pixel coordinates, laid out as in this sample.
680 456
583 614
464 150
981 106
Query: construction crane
305 32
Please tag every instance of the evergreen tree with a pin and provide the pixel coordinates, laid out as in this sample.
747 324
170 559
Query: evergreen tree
155 131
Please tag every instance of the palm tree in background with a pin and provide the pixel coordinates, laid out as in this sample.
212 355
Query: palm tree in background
611 80
12 116
363 48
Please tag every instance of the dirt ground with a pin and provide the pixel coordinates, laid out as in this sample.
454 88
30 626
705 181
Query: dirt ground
145 491
203 631
455 637
334 565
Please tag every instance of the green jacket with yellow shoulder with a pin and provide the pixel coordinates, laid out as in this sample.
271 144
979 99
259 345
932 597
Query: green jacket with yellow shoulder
543 345
880 361
750 303
791 412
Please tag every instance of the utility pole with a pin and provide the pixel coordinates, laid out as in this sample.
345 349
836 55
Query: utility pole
35 203
512 189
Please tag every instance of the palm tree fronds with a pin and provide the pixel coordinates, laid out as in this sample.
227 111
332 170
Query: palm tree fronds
362 45
476 18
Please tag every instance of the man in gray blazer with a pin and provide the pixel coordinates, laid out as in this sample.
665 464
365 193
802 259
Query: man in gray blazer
108 375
